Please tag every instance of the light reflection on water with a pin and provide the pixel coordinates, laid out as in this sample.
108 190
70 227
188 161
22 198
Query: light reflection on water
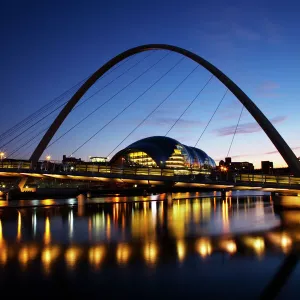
100 235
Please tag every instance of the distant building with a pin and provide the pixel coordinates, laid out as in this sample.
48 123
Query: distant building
267 167
229 165
228 160
71 159
98 159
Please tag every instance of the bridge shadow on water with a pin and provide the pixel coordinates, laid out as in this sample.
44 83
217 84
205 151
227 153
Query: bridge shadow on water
199 245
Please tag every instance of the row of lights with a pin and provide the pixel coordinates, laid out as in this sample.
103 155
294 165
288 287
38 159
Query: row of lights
123 252
224 169
2 156
95 255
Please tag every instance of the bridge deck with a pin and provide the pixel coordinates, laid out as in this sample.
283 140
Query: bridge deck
165 176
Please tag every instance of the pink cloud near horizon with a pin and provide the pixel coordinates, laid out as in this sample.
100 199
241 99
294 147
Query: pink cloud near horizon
246 128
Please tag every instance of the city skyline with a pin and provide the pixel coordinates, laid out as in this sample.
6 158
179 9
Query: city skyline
61 50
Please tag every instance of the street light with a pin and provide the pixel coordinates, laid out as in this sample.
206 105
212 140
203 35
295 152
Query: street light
2 155
48 157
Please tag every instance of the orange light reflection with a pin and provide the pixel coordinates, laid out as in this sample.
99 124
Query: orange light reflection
96 255
47 234
150 253
49 254
204 247
123 253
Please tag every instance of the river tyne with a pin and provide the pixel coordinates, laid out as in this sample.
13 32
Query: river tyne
194 245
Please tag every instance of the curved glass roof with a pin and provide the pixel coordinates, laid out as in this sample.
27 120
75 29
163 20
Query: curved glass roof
160 148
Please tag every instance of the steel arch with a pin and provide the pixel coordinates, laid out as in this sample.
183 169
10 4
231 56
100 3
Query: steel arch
280 144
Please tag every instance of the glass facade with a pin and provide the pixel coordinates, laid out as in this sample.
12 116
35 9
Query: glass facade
139 158
158 151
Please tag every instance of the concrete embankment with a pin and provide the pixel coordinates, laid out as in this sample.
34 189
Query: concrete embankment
43 193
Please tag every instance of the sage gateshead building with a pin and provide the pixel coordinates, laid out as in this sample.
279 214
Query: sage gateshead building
163 152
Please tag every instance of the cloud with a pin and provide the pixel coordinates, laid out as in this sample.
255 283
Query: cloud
233 27
246 127
258 154
268 89
245 33
276 151
238 156
267 86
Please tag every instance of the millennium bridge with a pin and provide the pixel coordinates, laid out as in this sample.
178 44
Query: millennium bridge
24 170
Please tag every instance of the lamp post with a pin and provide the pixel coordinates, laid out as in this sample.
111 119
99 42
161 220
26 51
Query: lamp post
2 155
48 157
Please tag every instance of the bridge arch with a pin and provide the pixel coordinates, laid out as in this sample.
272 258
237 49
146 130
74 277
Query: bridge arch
280 144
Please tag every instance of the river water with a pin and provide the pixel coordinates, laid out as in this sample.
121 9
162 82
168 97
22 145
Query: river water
188 245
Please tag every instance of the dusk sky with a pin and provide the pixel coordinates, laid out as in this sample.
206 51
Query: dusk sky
49 46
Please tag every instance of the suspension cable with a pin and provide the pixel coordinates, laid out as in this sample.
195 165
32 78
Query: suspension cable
50 104
29 145
78 105
31 132
237 125
108 100
190 104
27 142
178 62
30 142
127 70
40 111
155 109
211 118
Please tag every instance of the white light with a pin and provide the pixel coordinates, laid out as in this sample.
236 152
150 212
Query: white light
34 222
71 223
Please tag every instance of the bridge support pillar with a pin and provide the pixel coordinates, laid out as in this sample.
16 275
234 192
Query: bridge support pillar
169 198
22 183
81 204
223 194
273 194
8 196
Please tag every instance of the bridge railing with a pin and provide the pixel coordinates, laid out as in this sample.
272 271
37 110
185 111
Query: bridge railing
58 167
268 179
6 164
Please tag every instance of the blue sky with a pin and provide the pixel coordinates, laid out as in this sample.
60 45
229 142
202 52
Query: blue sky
48 46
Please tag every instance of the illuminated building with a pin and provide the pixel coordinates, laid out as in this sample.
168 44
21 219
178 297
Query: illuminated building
70 159
229 165
97 159
164 152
